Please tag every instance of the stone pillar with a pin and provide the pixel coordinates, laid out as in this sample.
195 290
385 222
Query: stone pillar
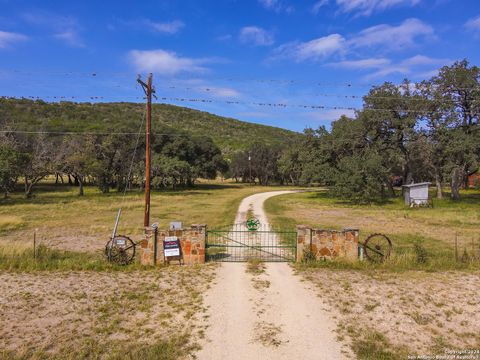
304 237
197 237
352 238
327 244
148 247
192 242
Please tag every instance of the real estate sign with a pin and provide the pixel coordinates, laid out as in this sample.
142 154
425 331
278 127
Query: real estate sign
171 246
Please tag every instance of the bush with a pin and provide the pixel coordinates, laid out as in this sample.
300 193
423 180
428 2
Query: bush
420 253
308 256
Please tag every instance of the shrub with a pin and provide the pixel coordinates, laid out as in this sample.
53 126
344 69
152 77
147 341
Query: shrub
420 253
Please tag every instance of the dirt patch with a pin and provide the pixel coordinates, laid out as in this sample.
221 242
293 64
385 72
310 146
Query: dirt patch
418 311
268 334
50 312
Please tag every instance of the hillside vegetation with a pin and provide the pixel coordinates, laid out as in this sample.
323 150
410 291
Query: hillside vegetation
229 134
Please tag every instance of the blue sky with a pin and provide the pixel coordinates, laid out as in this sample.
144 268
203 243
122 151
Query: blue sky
317 52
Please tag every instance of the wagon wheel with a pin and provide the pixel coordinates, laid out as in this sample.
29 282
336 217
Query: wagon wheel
121 251
377 248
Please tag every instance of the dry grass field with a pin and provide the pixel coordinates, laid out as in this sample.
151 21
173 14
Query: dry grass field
411 304
154 314
434 228
390 315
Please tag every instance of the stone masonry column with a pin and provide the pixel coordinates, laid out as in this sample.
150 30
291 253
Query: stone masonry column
304 236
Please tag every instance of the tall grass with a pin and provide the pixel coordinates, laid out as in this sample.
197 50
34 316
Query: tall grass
22 258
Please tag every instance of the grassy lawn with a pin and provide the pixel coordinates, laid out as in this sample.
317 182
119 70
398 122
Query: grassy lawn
436 229
83 224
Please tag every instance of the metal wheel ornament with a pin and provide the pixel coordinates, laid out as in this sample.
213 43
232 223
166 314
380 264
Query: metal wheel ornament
377 247
120 250
253 224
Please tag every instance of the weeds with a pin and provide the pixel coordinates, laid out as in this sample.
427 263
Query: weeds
15 258
255 266
372 345
420 252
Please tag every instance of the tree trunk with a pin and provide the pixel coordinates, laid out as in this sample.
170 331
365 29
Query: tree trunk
69 180
390 188
28 192
80 186
438 184
457 177
466 185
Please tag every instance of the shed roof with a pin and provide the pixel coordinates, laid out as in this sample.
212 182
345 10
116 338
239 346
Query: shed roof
417 185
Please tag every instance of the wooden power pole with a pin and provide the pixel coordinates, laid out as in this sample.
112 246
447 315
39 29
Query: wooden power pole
149 91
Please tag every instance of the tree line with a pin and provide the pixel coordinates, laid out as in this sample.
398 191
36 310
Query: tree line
109 161
412 132
424 131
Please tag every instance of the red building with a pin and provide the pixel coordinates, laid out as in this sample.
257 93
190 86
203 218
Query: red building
474 179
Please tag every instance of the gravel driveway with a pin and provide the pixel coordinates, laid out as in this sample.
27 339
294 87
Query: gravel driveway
266 315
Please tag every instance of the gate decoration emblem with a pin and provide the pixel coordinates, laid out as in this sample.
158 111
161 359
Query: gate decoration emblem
253 224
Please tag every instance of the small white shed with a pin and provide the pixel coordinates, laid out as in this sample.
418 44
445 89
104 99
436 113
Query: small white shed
416 194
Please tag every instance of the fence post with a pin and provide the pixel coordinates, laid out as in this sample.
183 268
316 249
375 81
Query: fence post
35 244
456 247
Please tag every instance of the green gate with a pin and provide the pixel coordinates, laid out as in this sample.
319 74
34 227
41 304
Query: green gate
238 244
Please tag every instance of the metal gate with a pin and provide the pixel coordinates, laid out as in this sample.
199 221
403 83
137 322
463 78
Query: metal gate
238 244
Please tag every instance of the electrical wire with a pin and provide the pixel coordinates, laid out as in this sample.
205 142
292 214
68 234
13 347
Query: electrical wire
279 105
100 74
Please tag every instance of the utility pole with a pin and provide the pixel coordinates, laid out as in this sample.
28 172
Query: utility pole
149 91
250 166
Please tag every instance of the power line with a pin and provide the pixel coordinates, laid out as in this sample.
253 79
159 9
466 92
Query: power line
303 106
275 105
89 133
100 74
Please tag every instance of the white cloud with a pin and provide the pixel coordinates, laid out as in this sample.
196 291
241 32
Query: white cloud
325 116
276 5
64 28
473 24
316 49
371 63
9 38
388 70
269 4
318 5
71 38
221 91
420 60
171 27
225 37
165 62
383 38
392 37
256 36
415 65
368 7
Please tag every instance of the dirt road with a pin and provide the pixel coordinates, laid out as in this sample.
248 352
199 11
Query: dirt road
268 314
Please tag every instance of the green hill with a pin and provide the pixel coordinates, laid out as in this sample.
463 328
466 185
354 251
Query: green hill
229 134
